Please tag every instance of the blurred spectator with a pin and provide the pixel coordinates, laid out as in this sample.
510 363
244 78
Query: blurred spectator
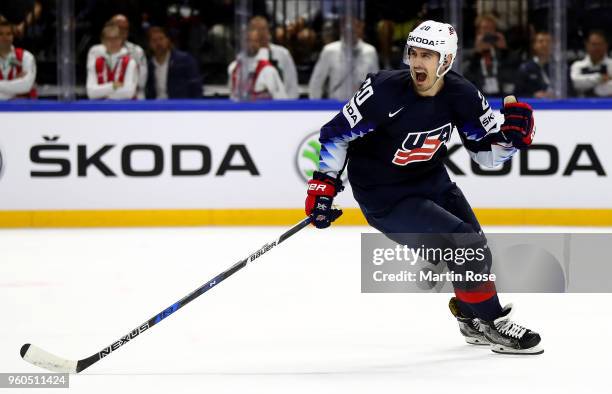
279 57
330 32
294 10
533 78
114 73
15 11
219 21
172 73
135 52
393 24
591 76
184 25
294 21
17 67
263 80
30 18
95 14
488 67
299 37
332 67
38 32
509 11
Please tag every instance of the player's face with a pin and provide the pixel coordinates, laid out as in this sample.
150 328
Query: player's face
423 65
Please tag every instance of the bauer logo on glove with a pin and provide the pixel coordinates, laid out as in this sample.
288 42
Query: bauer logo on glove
322 189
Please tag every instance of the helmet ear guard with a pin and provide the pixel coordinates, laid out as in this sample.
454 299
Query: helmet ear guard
443 63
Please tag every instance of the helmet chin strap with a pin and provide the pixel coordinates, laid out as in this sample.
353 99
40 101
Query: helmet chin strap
412 73
438 77
438 71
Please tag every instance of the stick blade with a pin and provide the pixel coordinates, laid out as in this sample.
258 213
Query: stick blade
36 356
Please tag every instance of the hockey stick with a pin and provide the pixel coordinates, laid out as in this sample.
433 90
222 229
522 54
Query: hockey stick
36 356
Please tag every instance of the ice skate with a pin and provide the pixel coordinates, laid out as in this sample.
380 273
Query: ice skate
507 337
471 329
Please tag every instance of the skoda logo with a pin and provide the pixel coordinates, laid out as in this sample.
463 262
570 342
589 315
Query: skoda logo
307 157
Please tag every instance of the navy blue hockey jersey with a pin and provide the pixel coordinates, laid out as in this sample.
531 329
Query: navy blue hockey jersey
390 134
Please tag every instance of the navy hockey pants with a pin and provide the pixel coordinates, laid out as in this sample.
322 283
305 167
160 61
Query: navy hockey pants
438 208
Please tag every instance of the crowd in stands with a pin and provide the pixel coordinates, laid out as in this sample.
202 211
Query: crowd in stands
170 49
333 76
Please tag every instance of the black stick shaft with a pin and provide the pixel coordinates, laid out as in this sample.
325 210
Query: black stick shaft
86 362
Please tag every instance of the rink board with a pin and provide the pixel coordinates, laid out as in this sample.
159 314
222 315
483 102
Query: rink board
194 163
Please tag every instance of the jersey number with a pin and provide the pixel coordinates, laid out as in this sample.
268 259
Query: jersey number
351 109
364 92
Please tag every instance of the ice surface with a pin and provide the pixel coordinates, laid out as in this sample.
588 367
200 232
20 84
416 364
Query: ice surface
292 322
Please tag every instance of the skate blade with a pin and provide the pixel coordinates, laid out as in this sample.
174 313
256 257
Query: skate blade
507 350
476 341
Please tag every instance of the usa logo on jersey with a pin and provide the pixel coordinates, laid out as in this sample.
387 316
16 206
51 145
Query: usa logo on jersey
421 146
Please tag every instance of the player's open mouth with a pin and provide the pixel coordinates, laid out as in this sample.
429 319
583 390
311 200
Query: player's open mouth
420 76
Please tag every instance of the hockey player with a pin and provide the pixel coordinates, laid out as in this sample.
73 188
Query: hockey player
393 135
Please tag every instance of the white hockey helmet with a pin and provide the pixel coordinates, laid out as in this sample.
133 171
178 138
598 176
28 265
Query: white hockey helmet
436 36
